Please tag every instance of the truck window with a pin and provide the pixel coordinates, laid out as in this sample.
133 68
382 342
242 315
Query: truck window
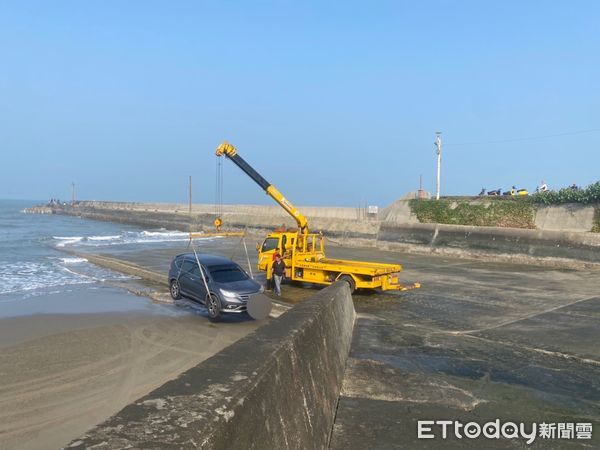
270 244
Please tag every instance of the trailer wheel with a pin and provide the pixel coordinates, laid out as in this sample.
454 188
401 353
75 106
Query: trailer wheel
351 283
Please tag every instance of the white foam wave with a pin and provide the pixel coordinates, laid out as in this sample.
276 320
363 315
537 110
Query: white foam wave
27 276
67 240
73 260
163 233
104 238
53 272
129 237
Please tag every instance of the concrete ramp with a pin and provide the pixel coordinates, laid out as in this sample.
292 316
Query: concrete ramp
399 212
276 388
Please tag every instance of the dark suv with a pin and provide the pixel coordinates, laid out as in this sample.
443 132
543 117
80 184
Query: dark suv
229 285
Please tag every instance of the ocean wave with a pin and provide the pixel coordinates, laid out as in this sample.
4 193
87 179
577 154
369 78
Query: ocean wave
104 238
52 272
165 234
27 276
73 260
129 237
67 240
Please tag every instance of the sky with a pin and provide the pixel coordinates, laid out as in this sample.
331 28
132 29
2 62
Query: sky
335 103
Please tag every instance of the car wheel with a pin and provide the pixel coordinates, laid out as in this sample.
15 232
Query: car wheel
351 283
175 290
213 306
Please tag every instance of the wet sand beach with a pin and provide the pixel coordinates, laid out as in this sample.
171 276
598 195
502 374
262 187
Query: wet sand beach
61 374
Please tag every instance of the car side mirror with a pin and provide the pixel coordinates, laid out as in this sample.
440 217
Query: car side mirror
258 246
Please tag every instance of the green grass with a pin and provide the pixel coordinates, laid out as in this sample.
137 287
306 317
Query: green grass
510 213
589 195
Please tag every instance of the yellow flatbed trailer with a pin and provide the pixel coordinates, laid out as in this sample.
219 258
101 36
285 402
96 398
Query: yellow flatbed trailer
304 252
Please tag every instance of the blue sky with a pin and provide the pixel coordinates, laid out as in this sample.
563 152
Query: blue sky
335 103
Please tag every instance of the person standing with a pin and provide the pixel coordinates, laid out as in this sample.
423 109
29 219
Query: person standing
278 274
270 282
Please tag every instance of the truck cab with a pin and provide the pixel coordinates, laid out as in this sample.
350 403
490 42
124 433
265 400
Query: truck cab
292 246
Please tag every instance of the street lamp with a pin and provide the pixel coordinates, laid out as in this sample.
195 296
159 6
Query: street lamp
438 145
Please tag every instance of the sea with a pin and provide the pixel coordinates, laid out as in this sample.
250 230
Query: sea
37 277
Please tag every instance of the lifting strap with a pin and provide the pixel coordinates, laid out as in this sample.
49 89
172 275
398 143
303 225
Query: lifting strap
200 269
218 192
243 241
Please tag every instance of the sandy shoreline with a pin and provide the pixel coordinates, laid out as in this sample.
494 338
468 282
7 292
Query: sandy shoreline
61 374
70 359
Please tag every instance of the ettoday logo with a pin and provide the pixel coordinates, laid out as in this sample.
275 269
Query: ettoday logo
433 429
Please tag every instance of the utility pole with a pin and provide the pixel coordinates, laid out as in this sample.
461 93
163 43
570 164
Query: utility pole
438 144
73 193
190 194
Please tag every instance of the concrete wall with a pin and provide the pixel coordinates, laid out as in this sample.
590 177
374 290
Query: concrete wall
571 217
395 227
334 212
512 241
337 222
276 388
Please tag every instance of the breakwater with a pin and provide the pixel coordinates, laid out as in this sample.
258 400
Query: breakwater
275 388
561 235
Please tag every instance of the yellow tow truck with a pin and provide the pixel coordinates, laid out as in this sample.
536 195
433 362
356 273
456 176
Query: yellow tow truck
304 252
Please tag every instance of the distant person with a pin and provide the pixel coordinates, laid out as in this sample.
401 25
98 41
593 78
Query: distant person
574 186
278 274
542 187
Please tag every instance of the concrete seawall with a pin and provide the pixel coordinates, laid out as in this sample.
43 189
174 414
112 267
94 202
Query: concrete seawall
337 221
276 388
493 240
395 227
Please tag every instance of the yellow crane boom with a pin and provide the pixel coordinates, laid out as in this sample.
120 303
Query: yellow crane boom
228 150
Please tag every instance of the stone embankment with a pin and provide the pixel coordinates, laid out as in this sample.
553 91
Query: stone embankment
275 388
561 235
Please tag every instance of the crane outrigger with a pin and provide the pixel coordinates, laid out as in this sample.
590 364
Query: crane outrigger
304 252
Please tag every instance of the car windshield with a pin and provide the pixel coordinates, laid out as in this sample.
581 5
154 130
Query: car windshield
227 273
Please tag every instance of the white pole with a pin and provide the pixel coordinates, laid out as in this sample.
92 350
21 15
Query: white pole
438 144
